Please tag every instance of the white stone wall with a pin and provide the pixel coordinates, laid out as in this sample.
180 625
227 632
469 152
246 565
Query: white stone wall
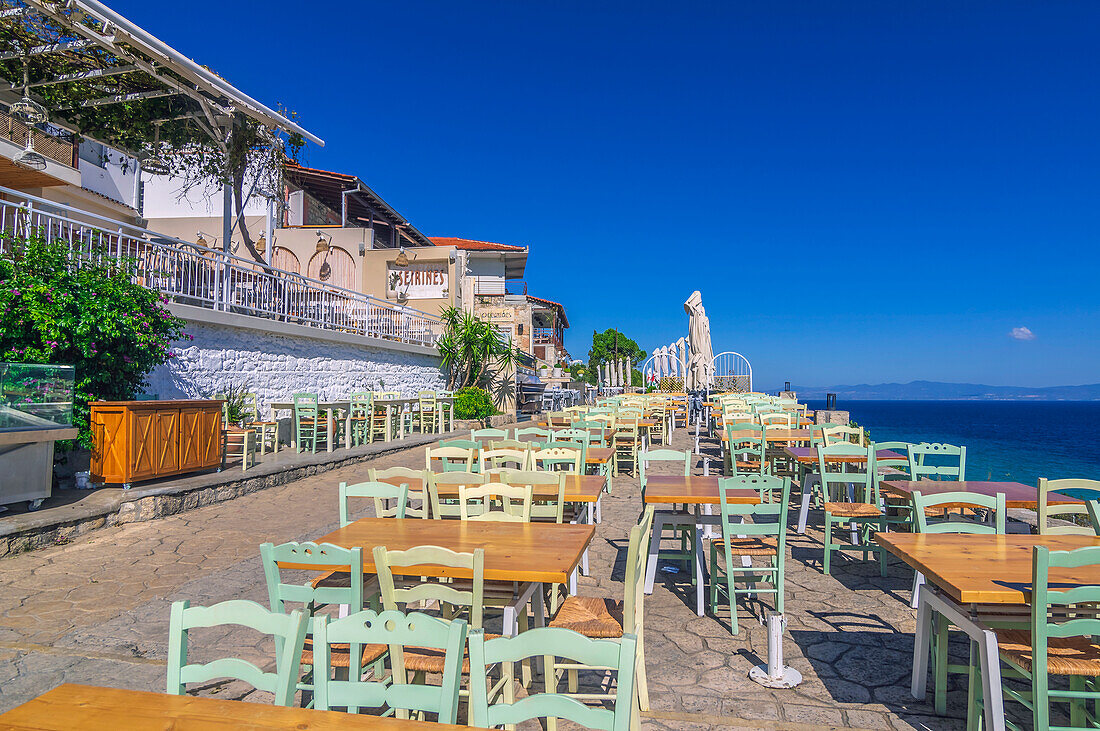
274 366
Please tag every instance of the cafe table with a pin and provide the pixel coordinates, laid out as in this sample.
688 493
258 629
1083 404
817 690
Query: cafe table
699 492
71 706
963 571
529 554
334 407
806 457
1017 494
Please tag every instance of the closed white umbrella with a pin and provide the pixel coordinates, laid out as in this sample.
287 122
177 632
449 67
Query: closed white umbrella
700 360
681 345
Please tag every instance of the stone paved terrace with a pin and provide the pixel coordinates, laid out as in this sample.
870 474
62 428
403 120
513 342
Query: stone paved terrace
95 610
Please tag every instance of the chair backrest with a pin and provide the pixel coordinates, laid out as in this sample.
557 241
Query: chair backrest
250 407
1087 490
537 432
776 419
842 434
509 444
578 440
397 630
481 435
661 455
447 506
321 556
416 501
288 630
305 405
620 655
935 461
607 419
542 508
958 522
515 502
769 518
558 458
360 405
496 459
460 443
426 588
381 493
900 463
426 400
570 435
837 475
747 445
634 579
449 459
597 430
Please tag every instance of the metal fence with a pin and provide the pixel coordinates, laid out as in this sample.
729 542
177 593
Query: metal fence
196 275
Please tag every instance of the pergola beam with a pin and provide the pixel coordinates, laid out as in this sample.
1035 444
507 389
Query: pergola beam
80 76
47 48
120 99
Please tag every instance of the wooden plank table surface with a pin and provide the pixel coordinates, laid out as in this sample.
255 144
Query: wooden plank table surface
91 708
693 490
985 569
599 455
1017 494
523 552
808 455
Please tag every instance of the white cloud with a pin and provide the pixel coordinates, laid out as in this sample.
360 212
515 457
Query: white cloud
1022 333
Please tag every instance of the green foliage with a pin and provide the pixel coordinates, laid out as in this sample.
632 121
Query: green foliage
233 395
608 345
474 403
636 377
470 347
94 317
578 372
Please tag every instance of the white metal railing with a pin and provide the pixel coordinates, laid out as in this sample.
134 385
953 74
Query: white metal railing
196 275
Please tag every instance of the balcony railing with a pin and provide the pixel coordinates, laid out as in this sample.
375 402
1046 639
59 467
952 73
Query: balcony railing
497 286
55 148
196 275
546 336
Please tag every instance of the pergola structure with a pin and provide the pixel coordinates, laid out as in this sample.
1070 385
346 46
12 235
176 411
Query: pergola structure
98 75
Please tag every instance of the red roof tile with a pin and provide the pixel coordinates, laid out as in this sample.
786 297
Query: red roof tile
472 245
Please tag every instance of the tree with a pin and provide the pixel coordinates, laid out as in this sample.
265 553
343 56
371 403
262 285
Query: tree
608 345
89 313
472 349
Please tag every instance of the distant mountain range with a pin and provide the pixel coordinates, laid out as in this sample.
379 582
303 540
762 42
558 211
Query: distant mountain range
937 391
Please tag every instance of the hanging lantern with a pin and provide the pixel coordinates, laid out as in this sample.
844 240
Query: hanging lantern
261 243
402 259
201 240
322 242
29 157
27 109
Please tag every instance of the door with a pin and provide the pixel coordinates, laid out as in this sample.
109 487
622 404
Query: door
167 431
143 446
109 444
189 429
200 437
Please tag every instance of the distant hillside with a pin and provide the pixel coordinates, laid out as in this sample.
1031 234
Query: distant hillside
936 391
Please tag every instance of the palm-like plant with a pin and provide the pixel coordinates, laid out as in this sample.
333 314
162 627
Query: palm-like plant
470 347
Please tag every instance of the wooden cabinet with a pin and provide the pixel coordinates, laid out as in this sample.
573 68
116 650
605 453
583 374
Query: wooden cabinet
143 440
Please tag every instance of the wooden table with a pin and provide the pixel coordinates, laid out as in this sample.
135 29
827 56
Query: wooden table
702 494
87 707
332 407
1017 494
962 571
586 489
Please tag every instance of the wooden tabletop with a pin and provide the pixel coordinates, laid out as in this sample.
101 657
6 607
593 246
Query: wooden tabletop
808 455
693 490
546 552
599 455
578 488
1017 494
90 708
985 569
778 435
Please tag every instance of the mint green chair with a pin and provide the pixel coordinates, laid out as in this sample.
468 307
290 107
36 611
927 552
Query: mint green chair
446 506
360 410
851 496
479 435
381 493
416 499
1062 641
934 461
309 427
680 521
746 449
764 537
288 630
925 519
619 655
1087 490
395 630
898 511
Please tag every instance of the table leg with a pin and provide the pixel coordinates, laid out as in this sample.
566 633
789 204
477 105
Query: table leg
389 423
331 426
700 579
654 549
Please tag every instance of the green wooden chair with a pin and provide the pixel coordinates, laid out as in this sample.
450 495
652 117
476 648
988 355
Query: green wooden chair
396 631
626 439
446 506
898 511
482 435
851 496
1087 490
417 503
360 409
427 413
333 587
842 434
930 515
450 459
309 427
497 459
746 449
620 655
679 520
381 493
266 430
764 537
515 502
537 432
1061 641
934 461
288 630
553 459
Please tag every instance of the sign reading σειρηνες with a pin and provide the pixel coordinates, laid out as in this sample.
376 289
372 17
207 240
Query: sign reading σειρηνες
417 281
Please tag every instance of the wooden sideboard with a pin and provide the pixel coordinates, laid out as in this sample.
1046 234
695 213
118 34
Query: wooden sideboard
144 440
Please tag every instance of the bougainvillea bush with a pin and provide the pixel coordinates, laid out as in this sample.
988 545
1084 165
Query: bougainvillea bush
94 316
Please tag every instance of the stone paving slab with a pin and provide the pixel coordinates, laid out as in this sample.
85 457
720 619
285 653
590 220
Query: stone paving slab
96 610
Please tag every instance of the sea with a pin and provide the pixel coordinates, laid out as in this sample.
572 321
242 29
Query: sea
1017 441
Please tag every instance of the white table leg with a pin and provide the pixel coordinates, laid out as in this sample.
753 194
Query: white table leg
654 549
331 426
804 511
700 579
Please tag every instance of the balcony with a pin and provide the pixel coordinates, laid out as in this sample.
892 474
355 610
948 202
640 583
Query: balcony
52 148
490 286
547 336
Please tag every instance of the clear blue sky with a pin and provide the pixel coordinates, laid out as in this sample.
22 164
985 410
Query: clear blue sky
862 191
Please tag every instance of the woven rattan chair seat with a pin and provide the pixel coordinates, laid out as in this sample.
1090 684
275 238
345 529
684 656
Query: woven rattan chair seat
592 617
1065 655
751 546
340 655
852 510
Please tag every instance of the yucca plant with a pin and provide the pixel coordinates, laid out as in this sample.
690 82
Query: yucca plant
472 349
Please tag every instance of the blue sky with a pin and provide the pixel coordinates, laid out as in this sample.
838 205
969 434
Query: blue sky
862 191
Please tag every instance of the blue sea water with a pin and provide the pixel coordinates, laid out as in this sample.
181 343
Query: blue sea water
1017 441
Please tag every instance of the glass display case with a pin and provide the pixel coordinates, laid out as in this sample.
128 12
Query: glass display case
36 410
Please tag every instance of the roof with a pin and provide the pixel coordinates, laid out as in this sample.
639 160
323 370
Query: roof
552 303
473 244
328 187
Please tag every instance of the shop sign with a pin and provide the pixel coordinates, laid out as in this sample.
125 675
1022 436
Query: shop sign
417 281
